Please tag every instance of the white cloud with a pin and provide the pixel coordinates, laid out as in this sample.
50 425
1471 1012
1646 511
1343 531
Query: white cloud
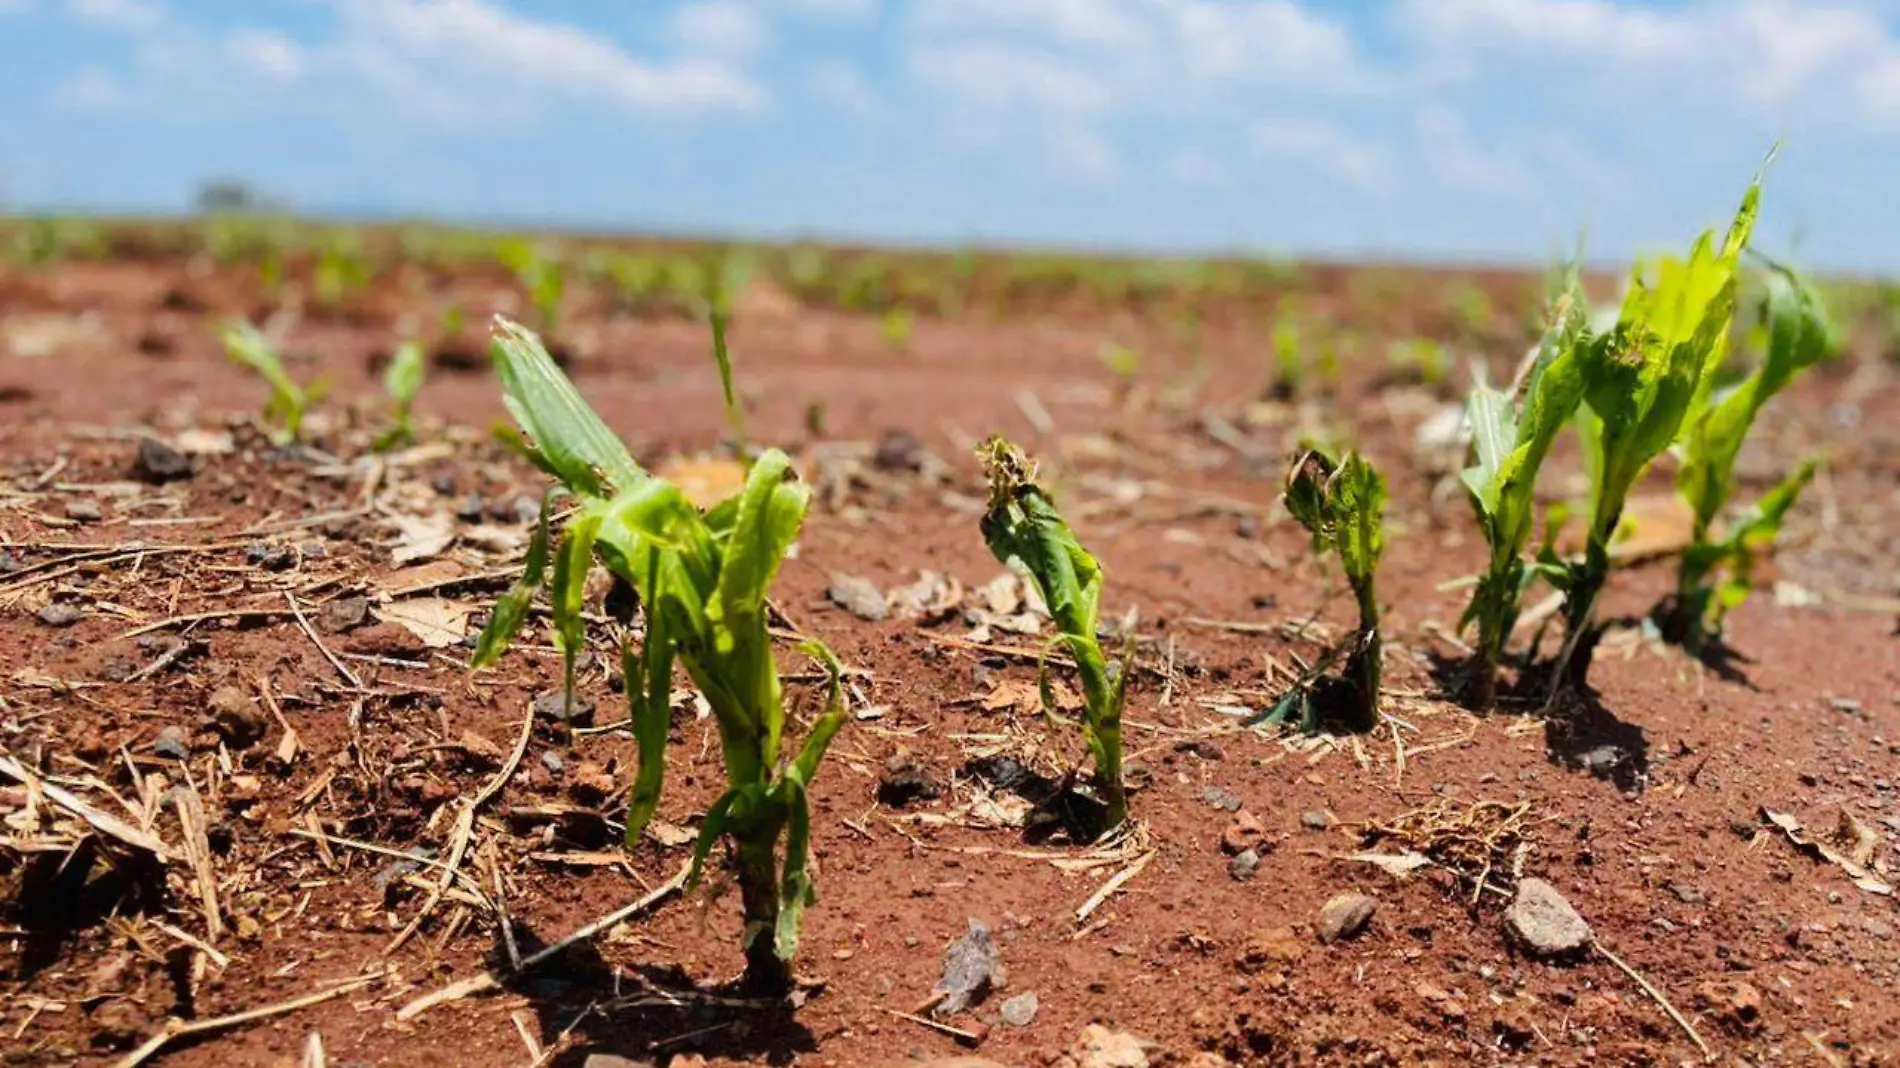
485 56
1449 150
1003 77
132 16
1806 54
835 9
92 89
1304 141
720 28
267 54
844 86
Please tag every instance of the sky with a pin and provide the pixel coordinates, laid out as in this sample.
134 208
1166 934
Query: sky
1435 129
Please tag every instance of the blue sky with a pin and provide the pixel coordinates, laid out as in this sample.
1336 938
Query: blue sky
1430 128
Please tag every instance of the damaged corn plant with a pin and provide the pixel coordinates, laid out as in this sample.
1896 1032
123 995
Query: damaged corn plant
1716 573
1641 379
1511 434
1025 532
1342 503
702 579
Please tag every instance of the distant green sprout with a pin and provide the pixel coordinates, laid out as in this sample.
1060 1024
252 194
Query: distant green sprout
403 380
1799 336
541 276
1024 531
1289 362
1642 378
1471 311
703 579
896 326
289 401
1342 503
341 270
1420 360
1510 439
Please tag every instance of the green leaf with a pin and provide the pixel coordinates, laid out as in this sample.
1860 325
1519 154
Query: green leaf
403 377
512 609
805 766
714 825
795 886
649 680
569 436
572 561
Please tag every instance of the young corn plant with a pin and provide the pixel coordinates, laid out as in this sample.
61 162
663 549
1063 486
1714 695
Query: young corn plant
402 379
703 580
289 401
1641 379
1716 573
1025 531
1510 439
1342 502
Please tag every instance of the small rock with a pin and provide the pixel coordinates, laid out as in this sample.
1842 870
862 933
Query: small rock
171 744
1200 747
1098 1047
471 510
1545 924
1601 761
858 597
1446 1003
1316 820
552 761
1243 834
271 557
158 462
1243 866
1020 1011
1688 895
1225 800
8 563
1344 917
553 705
236 717
387 640
969 970
899 450
61 614
83 510
343 615
906 781
1880 929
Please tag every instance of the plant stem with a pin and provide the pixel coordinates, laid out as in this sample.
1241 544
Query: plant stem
765 972
1587 579
1364 665
1108 774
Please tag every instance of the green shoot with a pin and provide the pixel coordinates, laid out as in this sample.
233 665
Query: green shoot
403 380
1799 336
1642 378
1420 360
245 345
1343 504
542 277
1289 364
1025 532
1511 438
703 579
895 328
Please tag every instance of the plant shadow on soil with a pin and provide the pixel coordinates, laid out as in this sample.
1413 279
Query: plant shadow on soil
1580 733
1058 810
55 896
649 1014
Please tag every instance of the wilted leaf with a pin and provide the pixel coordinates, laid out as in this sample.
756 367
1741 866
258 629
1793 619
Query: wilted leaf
437 622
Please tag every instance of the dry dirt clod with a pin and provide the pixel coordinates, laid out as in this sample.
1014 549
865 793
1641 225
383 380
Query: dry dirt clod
159 463
1316 820
1345 916
1278 947
906 781
1099 1047
1244 834
899 450
1736 1005
857 596
343 614
84 510
1545 924
553 705
235 716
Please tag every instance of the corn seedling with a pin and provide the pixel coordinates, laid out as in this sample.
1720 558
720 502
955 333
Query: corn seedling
703 579
340 271
245 345
1025 531
1510 438
1289 364
403 380
1342 503
1420 360
1641 378
896 326
1799 336
542 277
